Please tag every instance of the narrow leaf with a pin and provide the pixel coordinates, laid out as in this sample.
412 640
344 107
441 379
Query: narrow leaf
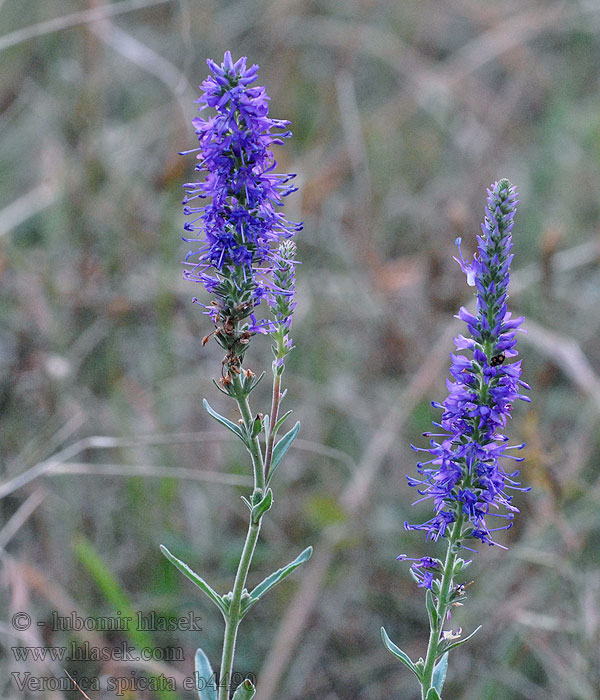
244 691
194 578
432 694
280 421
254 382
205 678
460 641
276 577
220 388
247 502
439 673
398 653
227 423
282 447
431 609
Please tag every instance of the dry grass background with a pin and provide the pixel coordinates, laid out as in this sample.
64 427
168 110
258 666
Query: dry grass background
403 112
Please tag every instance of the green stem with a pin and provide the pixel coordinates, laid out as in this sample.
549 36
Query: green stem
435 632
255 451
234 618
273 420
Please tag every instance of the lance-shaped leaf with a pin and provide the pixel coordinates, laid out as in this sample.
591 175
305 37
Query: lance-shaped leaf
244 691
280 421
431 609
432 694
230 425
198 580
281 448
398 653
275 578
439 673
444 648
204 676
220 388
250 383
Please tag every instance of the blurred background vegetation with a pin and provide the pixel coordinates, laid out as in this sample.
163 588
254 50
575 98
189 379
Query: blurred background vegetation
403 113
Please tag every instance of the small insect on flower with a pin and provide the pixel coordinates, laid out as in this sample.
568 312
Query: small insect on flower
498 359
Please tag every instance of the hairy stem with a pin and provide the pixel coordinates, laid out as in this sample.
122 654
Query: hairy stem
273 420
233 621
254 445
442 607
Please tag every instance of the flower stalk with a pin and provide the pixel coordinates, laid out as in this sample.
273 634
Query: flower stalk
442 609
234 618
464 476
282 308
244 258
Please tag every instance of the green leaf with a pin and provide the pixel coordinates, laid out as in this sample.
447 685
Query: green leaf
275 578
397 652
431 609
460 641
281 448
247 502
205 678
432 694
220 388
280 421
262 507
251 383
244 691
235 429
439 673
194 578
414 576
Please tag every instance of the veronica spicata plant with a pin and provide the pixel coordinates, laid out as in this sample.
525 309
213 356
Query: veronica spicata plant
464 477
245 260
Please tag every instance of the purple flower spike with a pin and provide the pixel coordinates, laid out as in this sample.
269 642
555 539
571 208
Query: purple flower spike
464 478
233 209
240 224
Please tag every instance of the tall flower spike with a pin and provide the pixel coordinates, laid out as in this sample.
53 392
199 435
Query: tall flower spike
463 476
244 256
240 223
